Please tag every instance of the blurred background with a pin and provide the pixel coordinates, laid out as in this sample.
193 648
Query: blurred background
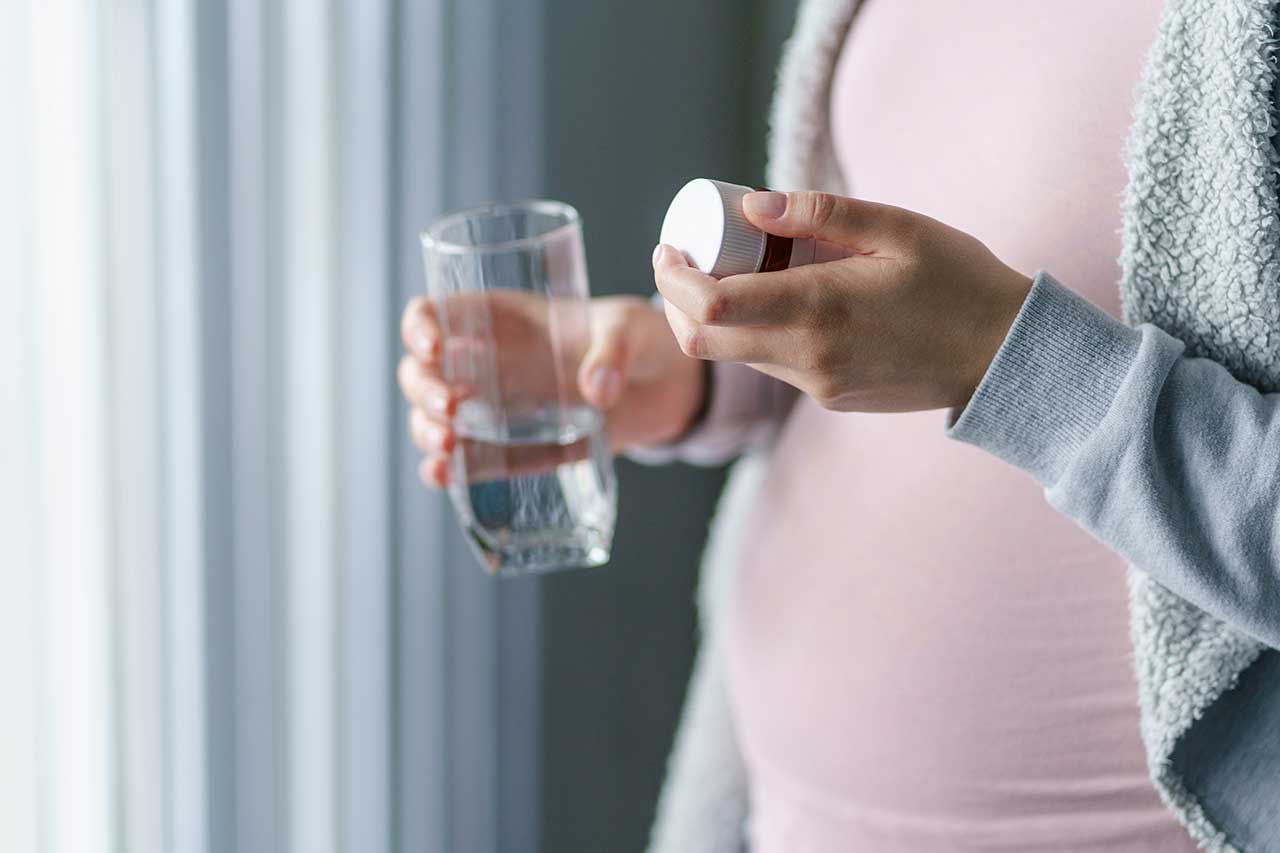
232 618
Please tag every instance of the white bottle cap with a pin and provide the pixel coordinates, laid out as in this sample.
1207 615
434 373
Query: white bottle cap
705 222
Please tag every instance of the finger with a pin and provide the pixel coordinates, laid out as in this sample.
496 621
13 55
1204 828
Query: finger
721 343
422 387
434 471
602 376
709 301
794 377
863 226
430 435
420 330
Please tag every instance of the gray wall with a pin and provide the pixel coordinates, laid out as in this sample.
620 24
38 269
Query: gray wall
639 97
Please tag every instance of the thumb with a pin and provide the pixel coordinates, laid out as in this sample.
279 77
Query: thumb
602 376
864 226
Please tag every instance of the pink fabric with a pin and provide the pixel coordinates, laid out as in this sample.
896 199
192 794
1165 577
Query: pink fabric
923 655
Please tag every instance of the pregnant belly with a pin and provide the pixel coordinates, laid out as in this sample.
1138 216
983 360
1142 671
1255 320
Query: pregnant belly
922 651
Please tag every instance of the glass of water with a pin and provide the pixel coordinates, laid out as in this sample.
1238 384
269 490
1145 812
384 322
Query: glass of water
531 478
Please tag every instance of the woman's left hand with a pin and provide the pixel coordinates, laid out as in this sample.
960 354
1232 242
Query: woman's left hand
909 321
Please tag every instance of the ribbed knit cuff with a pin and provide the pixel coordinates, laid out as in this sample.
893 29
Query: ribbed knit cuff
1051 382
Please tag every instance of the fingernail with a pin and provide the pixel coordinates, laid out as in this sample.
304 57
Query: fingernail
606 384
442 436
768 205
434 472
422 345
665 254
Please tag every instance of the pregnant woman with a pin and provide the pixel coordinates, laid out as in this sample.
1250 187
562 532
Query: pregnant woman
921 628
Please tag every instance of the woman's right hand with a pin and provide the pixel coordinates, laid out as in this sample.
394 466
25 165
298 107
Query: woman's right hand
634 371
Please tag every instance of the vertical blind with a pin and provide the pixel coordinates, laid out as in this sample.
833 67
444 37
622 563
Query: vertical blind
231 618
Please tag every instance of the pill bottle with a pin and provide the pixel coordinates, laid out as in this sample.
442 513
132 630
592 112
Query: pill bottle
706 223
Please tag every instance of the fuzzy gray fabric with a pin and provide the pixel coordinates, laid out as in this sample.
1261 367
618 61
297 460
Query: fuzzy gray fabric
1156 454
1199 261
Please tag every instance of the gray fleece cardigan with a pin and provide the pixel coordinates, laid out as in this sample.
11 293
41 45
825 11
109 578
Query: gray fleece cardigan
1161 437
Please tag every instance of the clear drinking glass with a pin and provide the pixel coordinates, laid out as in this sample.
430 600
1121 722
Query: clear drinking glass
531 478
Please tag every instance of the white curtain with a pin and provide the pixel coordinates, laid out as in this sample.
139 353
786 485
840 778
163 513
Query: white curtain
231 619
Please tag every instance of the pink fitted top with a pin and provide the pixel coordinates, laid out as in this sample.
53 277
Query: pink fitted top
922 654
